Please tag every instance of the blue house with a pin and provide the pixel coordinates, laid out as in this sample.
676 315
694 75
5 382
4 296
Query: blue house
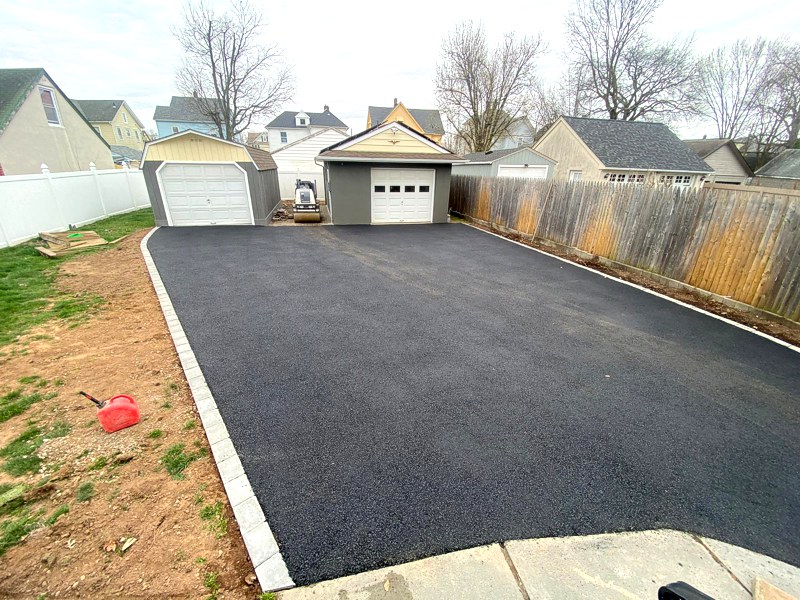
183 113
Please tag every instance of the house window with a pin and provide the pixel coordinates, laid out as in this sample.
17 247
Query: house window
284 137
174 129
424 188
50 107
676 180
302 121
136 131
119 133
128 132
125 118
380 188
620 177
394 189
575 175
410 189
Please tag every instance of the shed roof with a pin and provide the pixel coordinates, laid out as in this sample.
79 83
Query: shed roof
326 118
785 166
428 118
636 145
185 109
261 158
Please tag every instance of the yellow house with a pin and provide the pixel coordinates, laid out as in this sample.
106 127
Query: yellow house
426 121
115 121
40 125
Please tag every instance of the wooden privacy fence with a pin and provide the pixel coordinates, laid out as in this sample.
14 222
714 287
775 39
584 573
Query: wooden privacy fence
738 242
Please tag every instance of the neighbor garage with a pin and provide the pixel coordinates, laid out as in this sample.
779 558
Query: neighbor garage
388 174
514 162
198 179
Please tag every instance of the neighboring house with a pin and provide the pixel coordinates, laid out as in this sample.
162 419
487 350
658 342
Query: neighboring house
514 162
520 133
426 121
258 139
783 171
290 126
724 157
182 114
123 155
198 179
388 174
115 121
621 152
296 160
40 125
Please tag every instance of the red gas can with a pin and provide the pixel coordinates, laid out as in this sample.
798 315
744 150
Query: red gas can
118 413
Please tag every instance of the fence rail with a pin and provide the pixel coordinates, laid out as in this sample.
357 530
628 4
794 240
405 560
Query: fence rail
740 243
55 201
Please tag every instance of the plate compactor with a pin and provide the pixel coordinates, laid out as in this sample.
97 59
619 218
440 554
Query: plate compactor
306 207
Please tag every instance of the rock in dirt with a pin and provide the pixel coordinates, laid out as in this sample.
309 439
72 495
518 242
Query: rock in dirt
250 579
123 459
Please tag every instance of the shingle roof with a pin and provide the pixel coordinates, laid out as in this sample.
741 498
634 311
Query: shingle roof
323 119
636 145
786 165
126 152
705 147
261 158
388 156
182 108
15 86
428 118
490 155
98 110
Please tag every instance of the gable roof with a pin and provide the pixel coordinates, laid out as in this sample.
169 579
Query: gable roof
636 145
183 108
308 137
338 151
784 166
491 155
285 120
428 118
261 158
99 110
252 136
15 86
706 147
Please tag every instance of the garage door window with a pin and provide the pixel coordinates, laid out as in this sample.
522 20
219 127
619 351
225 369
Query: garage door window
424 188
394 189
380 188
410 189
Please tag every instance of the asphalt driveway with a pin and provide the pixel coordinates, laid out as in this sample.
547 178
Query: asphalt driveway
396 392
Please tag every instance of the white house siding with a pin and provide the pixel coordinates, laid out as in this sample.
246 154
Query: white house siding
293 134
297 161
727 168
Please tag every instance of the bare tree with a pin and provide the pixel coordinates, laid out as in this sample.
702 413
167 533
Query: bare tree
730 86
629 76
233 77
567 97
483 90
783 82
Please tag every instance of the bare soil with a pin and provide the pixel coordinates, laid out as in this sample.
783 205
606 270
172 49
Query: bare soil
780 329
124 349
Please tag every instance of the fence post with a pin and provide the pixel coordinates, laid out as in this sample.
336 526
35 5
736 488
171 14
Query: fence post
54 196
93 169
127 171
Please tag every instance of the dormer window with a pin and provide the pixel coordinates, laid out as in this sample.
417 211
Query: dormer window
302 121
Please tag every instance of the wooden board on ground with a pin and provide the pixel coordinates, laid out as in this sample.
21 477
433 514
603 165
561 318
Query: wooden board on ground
67 242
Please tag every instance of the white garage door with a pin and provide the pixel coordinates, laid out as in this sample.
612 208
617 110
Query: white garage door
402 195
529 171
205 194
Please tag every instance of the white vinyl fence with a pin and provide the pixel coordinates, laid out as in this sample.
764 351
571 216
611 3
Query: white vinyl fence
55 201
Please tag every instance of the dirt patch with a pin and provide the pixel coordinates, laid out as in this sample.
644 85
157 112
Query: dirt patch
115 486
779 329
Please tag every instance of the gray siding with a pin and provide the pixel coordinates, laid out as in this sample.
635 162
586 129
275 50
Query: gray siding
264 191
523 157
149 172
350 186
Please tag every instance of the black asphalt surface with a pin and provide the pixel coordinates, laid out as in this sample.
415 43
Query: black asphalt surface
397 392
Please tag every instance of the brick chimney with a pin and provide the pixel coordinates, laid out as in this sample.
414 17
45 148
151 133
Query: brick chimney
326 108
395 102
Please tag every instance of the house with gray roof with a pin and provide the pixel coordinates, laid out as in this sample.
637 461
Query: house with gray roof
511 162
40 125
184 113
724 157
292 126
115 121
426 121
783 171
635 152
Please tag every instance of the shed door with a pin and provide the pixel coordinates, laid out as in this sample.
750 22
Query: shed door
206 194
402 195
528 172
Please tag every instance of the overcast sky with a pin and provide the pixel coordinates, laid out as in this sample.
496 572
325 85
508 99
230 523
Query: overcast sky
344 54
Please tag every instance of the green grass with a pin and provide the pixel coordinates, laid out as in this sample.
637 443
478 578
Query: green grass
15 403
214 517
85 492
13 530
175 459
29 379
28 296
211 583
190 424
155 434
267 596
99 463
20 453
60 429
61 510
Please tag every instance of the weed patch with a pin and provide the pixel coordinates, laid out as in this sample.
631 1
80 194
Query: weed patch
85 492
13 530
214 517
20 453
211 583
14 403
189 425
61 510
98 463
175 459
155 434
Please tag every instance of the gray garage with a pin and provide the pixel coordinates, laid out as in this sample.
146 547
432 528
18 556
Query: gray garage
197 179
513 162
388 174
